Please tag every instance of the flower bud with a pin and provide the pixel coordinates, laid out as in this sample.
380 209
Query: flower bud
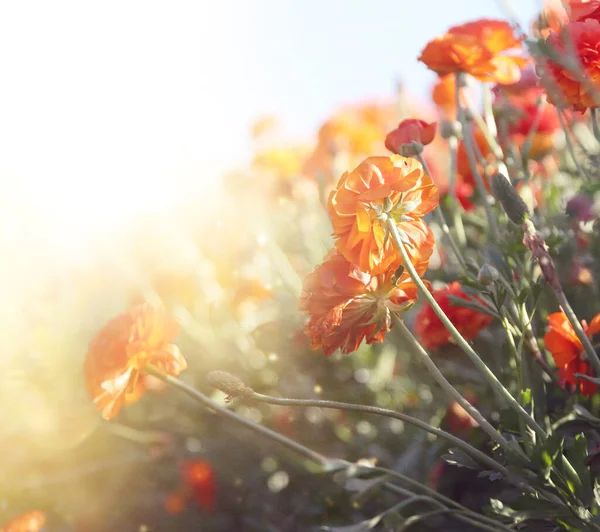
410 136
487 275
228 383
450 129
514 206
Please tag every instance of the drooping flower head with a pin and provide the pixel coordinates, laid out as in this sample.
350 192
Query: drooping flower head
119 352
581 39
485 49
347 306
568 353
431 331
396 186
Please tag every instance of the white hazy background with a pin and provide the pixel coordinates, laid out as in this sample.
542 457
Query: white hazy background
115 108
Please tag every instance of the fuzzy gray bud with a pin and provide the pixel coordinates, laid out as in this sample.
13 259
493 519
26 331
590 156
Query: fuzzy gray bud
514 206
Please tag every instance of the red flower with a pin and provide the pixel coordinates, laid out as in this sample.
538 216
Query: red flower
410 132
584 38
28 522
580 10
347 306
431 331
568 352
459 420
199 482
119 352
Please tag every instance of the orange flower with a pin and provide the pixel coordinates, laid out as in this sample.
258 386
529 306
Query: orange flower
431 331
552 17
119 352
443 95
408 133
396 185
484 49
28 522
584 39
580 10
347 306
567 351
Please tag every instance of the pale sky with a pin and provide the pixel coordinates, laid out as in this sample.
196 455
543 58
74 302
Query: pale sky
109 108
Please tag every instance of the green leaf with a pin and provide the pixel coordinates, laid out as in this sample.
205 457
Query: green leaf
460 459
577 455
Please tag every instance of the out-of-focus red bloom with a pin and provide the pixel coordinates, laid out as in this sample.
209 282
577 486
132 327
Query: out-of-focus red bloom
580 10
118 353
394 185
199 482
568 352
463 167
410 131
584 38
484 48
347 306
431 331
28 522
463 190
459 420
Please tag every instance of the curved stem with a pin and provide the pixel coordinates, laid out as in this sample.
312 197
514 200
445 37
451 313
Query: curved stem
447 387
435 495
279 438
462 343
469 449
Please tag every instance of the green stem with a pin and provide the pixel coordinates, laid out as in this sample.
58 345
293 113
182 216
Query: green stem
469 449
279 438
595 126
570 147
468 143
441 219
452 392
458 338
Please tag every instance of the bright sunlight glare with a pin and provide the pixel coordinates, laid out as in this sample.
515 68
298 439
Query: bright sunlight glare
111 110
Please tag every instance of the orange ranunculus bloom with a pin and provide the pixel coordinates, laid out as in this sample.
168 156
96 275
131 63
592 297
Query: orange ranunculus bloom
409 131
28 522
443 95
485 49
431 331
584 38
347 306
119 352
396 183
580 10
567 351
